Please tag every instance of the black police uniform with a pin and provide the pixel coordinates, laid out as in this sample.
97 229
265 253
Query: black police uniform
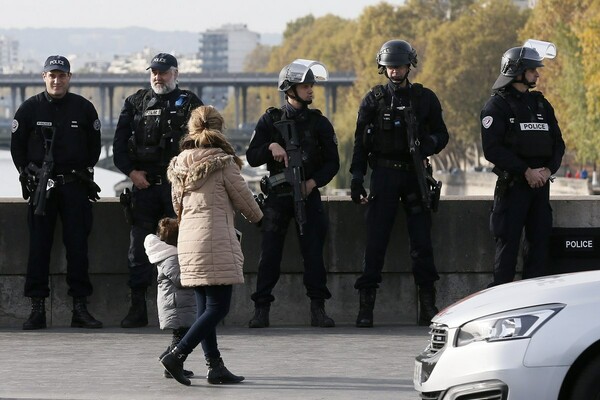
148 132
520 131
321 162
393 178
76 147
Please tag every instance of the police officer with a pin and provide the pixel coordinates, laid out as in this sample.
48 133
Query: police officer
149 129
381 141
521 137
320 163
56 141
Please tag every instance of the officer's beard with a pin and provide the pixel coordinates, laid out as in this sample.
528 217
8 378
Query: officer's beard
398 82
164 88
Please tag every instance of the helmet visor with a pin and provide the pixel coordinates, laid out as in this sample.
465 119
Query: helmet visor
299 68
544 49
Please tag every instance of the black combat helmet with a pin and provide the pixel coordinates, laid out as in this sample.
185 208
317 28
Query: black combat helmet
396 52
301 71
514 62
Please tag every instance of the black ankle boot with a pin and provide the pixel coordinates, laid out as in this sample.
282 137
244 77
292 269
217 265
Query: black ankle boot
427 308
178 334
173 363
81 317
219 374
137 316
37 318
261 317
318 317
366 305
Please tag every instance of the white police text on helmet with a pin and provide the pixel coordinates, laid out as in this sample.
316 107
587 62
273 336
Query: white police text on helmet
160 60
55 62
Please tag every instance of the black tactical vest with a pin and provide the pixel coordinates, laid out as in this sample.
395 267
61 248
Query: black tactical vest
529 135
390 137
312 153
159 124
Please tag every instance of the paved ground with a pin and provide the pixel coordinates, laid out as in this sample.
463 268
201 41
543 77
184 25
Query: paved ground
278 363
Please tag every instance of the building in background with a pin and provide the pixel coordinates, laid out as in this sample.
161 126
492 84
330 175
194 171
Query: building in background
224 50
9 55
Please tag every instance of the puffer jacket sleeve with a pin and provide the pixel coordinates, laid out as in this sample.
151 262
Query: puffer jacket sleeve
241 196
172 271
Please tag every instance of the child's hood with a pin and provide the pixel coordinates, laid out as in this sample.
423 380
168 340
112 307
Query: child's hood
157 250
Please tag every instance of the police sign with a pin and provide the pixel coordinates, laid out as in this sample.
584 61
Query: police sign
574 249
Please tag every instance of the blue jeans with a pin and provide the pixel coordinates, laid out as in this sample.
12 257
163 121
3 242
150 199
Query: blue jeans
213 305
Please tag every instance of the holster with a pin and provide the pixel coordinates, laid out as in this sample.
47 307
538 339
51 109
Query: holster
126 202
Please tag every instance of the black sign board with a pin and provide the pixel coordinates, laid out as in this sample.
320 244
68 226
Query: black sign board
574 249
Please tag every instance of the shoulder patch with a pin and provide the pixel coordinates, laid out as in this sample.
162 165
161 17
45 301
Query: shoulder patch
15 126
97 125
487 121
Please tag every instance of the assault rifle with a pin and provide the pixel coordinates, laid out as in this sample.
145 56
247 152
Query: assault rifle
294 173
430 188
45 182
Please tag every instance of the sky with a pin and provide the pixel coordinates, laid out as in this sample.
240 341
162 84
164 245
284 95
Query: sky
262 16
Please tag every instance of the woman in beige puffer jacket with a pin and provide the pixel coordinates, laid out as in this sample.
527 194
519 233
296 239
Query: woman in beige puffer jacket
207 188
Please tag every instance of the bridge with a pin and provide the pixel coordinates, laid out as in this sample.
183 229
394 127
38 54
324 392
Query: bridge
22 86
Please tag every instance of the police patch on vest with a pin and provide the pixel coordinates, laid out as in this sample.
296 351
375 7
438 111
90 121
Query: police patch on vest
152 112
97 125
534 126
43 123
15 126
487 121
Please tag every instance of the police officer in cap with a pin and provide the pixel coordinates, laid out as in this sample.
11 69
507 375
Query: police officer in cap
521 137
320 163
381 141
149 129
56 141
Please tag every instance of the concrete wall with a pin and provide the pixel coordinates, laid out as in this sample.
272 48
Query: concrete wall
464 252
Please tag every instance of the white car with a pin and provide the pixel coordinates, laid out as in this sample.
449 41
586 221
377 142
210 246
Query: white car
535 339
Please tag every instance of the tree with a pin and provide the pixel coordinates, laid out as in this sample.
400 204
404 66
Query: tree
463 62
571 81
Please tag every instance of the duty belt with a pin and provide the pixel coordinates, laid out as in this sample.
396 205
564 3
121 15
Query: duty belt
155 179
394 164
62 179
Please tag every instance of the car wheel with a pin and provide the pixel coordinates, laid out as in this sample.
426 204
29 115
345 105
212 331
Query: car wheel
587 384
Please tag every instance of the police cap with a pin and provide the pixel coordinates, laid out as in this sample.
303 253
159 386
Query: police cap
57 63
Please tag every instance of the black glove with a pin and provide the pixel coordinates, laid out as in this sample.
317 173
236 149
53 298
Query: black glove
92 191
357 190
87 177
427 146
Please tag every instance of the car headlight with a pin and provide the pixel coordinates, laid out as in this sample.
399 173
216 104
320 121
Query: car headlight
514 324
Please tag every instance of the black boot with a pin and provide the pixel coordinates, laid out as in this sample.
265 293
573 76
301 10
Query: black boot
81 317
219 374
137 316
173 363
178 334
366 305
318 317
427 308
261 317
37 318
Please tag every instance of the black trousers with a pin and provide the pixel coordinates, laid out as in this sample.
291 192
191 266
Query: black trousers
521 208
70 202
278 211
389 187
149 206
